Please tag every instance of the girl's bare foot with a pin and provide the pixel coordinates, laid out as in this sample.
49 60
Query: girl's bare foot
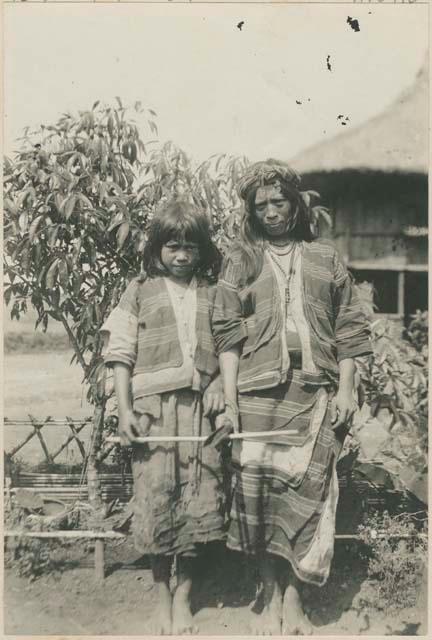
295 622
182 619
161 623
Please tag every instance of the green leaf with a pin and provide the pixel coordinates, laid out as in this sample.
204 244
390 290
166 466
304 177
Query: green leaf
110 125
51 274
23 221
63 274
122 234
10 206
153 127
7 294
33 227
52 235
118 219
70 206
22 198
85 201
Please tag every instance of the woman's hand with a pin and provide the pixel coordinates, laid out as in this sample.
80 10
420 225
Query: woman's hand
128 427
343 407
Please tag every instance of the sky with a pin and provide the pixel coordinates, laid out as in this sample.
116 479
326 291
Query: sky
216 88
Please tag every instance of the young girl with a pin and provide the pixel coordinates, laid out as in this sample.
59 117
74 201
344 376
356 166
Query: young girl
167 383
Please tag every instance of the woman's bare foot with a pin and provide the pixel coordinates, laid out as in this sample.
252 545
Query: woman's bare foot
161 623
182 619
295 622
268 622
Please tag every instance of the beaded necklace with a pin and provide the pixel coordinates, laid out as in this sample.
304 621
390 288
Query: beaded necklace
288 274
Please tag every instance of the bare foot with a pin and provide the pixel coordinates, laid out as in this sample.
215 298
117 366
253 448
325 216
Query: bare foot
268 622
161 622
295 622
182 615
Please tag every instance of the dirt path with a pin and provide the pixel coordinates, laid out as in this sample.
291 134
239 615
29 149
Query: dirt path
73 603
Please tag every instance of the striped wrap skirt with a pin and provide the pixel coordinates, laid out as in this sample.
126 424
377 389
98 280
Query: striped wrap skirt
285 489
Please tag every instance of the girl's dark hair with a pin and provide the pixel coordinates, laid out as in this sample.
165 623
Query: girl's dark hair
251 240
182 221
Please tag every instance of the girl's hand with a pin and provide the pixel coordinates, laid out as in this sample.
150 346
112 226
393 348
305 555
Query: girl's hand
343 407
213 398
128 427
213 402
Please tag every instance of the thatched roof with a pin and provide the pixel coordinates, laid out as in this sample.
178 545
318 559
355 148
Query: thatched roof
395 140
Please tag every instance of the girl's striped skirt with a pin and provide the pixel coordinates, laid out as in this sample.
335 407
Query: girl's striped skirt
285 489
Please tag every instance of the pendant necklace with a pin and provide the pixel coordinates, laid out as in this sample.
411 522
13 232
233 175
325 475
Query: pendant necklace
287 274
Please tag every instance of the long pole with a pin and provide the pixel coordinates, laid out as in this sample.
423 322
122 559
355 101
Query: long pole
231 436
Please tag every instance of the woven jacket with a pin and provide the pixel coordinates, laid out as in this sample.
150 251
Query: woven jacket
157 344
251 316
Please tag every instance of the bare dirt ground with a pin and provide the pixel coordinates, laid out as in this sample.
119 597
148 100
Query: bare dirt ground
72 602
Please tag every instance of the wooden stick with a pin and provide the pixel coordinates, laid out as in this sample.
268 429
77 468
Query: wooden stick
231 436
21 444
99 559
43 423
73 533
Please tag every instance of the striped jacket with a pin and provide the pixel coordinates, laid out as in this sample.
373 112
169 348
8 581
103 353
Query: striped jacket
250 316
157 343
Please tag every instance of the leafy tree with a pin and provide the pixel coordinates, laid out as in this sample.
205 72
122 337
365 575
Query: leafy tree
77 199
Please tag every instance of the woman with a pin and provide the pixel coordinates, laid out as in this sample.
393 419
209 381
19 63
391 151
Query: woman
287 325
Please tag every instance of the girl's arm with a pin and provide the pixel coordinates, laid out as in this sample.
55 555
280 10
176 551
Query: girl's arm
344 404
128 424
229 364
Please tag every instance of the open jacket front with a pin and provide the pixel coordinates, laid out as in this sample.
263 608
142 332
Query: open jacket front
145 324
250 316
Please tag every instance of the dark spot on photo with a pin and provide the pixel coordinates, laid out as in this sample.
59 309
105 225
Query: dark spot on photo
328 63
354 23
298 102
343 119
240 25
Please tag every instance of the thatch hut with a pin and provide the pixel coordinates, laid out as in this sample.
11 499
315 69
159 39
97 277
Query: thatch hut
375 180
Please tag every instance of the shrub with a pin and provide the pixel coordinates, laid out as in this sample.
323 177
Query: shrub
397 560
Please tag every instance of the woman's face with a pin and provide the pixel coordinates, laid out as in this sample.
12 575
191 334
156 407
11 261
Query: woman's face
180 258
273 211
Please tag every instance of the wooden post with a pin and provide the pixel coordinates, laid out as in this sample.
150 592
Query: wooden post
99 558
401 294
93 479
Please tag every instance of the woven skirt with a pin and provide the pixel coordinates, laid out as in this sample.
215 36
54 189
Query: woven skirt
179 496
285 488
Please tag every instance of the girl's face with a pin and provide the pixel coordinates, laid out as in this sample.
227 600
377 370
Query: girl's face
180 258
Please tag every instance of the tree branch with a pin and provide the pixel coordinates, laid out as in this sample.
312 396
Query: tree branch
73 340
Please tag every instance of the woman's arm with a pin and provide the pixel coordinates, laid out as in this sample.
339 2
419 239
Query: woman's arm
343 404
128 424
229 364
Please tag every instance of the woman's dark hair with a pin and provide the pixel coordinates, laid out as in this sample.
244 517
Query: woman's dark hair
251 241
182 221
